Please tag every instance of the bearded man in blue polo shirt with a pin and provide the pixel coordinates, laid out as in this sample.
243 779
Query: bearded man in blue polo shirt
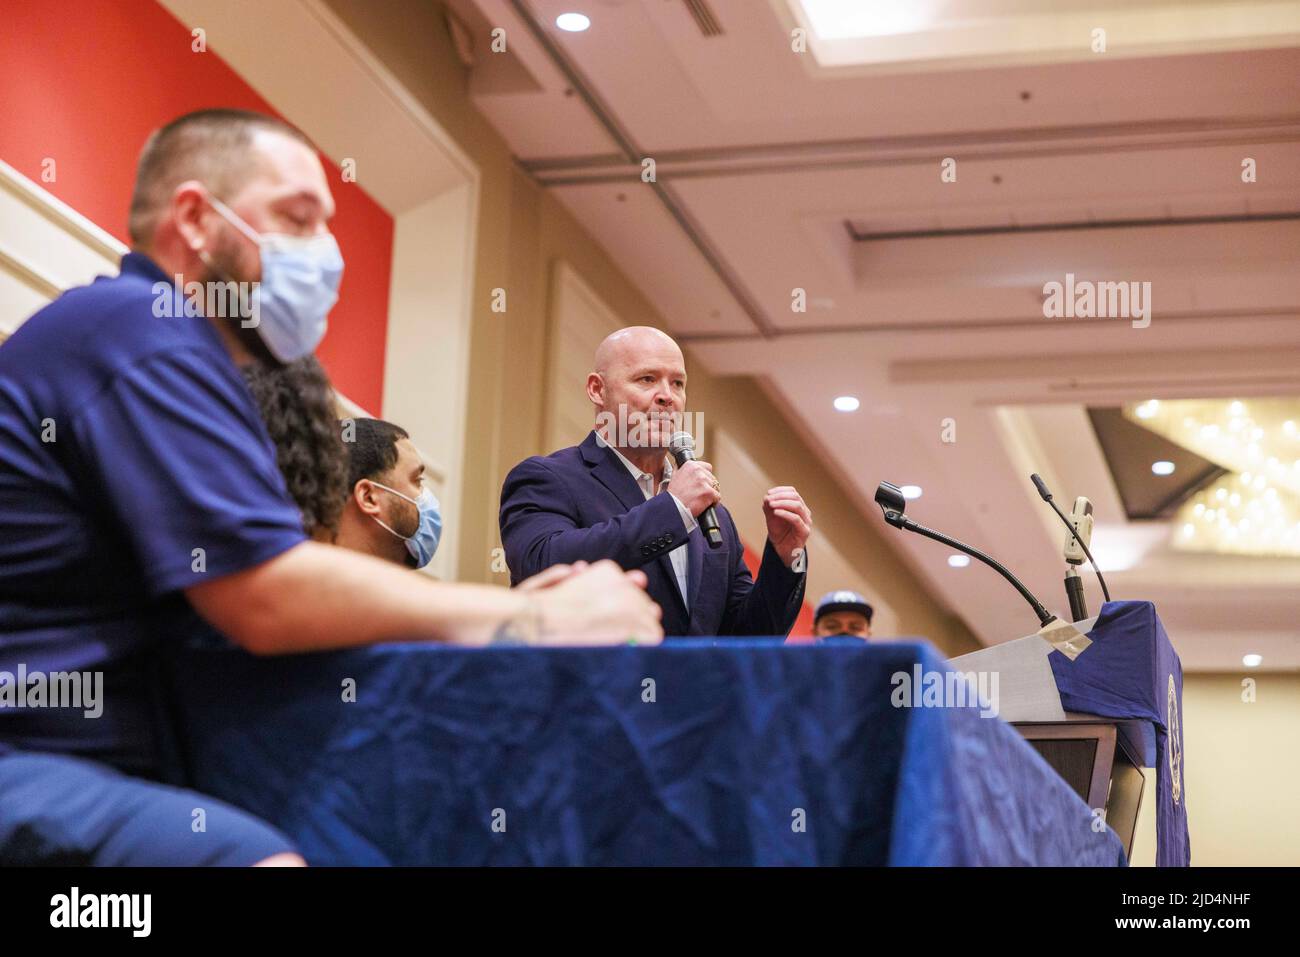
138 485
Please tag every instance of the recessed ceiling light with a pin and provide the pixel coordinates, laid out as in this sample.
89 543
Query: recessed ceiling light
1148 409
1163 467
847 403
958 561
911 491
1252 661
573 22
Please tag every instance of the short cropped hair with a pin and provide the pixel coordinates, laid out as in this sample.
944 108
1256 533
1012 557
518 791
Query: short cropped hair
211 146
373 450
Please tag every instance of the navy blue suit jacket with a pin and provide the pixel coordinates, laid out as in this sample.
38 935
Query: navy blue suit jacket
581 503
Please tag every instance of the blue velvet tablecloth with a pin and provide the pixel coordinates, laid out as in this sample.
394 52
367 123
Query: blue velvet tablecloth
693 752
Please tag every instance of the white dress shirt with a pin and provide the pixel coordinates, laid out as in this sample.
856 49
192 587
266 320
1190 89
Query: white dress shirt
679 556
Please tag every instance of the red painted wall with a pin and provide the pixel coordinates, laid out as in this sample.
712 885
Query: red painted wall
85 84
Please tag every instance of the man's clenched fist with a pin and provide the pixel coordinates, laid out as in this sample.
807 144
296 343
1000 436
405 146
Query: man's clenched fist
695 487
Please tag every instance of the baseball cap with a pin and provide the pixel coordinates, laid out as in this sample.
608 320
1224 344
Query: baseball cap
843 600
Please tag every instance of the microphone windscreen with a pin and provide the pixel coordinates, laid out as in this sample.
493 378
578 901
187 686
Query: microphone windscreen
1042 487
681 447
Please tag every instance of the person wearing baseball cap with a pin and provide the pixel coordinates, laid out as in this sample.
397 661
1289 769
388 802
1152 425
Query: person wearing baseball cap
843 613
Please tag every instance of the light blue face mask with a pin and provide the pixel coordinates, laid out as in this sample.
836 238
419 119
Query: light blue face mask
424 541
299 286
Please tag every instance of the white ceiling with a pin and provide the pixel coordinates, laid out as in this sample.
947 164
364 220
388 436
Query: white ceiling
762 156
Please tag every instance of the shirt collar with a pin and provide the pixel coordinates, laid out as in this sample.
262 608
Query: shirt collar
139 264
636 472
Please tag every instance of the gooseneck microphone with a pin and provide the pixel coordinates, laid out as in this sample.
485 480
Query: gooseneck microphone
1074 531
682 448
891 501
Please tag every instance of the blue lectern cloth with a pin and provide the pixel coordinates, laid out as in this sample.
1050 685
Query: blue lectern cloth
1132 671
693 752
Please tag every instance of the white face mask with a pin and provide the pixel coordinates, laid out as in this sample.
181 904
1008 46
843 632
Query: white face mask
299 286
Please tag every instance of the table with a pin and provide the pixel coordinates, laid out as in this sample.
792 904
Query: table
695 752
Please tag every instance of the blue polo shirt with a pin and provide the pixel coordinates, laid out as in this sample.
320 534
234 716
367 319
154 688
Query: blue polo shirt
133 465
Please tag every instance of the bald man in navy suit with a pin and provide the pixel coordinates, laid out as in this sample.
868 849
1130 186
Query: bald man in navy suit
618 496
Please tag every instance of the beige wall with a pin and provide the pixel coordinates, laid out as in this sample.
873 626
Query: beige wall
1242 769
1241 773
522 232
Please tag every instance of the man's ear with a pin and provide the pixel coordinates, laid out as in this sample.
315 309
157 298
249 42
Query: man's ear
596 389
188 206
366 497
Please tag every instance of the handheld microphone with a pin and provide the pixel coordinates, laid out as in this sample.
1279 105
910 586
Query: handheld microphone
682 448
1080 529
